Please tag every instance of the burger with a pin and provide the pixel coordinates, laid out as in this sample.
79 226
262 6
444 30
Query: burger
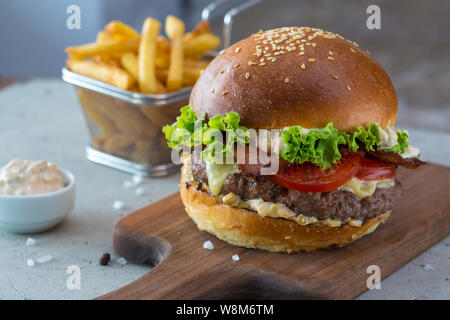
334 109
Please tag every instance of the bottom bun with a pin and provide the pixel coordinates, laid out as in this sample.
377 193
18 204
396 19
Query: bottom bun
245 228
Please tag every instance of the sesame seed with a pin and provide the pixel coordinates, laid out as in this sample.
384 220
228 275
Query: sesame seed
313 44
301 53
335 76
236 65
224 92
262 64
222 52
251 63
237 50
212 90
330 53
348 87
286 80
223 70
247 75
331 58
303 66
352 50
311 60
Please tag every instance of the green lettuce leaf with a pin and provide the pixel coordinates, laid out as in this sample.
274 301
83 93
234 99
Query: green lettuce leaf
318 146
370 137
402 142
188 129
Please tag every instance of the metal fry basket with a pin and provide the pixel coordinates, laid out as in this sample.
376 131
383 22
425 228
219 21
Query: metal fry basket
126 127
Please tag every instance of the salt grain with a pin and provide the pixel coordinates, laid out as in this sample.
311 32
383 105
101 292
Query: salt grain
235 257
30 242
121 261
30 262
137 179
118 205
44 259
428 267
208 245
139 191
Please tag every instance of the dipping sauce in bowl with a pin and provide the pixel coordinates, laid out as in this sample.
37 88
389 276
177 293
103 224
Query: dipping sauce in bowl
34 195
26 177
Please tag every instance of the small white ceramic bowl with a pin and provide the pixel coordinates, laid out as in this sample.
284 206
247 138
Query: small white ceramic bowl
40 212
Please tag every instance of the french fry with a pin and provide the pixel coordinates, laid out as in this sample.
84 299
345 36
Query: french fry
103 48
141 151
145 63
96 115
198 64
102 37
195 47
201 27
147 53
99 141
118 142
162 60
120 28
130 62
190 75
112 59
175 31
101 71
163 44
126 117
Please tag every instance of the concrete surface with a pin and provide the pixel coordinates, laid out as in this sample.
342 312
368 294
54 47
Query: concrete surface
41 119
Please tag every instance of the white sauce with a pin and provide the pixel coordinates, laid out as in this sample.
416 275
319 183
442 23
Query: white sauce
26 177
411 152
388 138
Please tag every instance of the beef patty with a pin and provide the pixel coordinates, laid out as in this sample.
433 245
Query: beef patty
337 204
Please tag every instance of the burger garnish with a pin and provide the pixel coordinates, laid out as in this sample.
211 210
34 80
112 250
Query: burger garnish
334 108
317 146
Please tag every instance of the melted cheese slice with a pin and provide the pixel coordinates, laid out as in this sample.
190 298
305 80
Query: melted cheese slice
217 173
362 188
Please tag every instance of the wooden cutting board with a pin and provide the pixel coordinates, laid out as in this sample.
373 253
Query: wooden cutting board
162 234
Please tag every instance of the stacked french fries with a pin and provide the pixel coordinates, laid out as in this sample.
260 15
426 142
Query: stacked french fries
145 62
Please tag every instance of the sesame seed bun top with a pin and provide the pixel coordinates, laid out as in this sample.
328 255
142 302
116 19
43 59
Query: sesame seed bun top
297 76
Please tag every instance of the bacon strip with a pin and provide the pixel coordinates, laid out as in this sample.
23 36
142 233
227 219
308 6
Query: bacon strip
395 158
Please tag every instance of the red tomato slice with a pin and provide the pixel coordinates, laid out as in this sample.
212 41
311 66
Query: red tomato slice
308 177
372 169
